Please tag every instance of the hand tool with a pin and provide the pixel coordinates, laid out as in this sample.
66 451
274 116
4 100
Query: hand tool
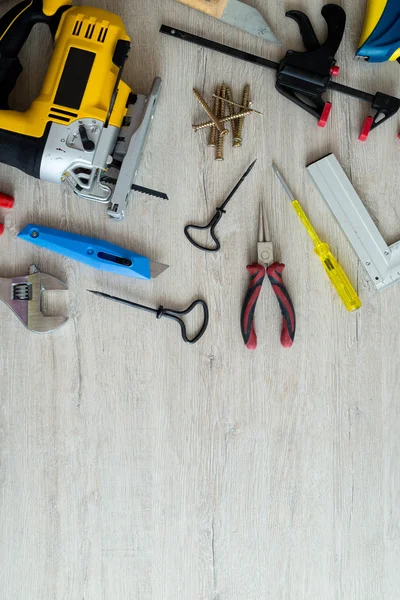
216 218
6 201
168 313
274 270
304 77
337 276
86 124
24 296
381 261
380 39
235 13
92 252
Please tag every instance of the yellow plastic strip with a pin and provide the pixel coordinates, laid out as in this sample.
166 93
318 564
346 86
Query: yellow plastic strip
375 11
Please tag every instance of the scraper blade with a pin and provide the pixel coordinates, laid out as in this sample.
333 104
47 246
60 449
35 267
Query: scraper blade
235 13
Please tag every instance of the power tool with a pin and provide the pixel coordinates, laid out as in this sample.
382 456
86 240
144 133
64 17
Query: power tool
87 128
380 39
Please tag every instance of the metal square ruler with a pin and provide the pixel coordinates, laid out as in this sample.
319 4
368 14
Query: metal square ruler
381 261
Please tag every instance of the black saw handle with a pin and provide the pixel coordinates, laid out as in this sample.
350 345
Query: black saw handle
15 27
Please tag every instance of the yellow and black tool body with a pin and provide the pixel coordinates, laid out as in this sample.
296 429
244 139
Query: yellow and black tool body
380 40
86 125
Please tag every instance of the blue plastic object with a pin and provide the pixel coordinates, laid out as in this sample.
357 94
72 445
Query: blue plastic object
95 253
384 41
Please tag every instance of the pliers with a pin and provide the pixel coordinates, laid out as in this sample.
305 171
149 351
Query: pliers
274 270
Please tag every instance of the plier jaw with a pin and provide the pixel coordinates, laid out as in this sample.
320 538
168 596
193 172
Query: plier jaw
265 247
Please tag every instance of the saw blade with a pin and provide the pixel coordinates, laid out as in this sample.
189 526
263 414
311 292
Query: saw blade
138 188
248 19
149 192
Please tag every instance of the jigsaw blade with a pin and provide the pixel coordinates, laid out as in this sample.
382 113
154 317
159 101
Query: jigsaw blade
149 192
139 188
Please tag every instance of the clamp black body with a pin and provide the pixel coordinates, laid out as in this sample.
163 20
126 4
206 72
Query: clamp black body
304 76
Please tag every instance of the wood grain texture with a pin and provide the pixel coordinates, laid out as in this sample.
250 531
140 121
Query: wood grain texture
213 8
134 467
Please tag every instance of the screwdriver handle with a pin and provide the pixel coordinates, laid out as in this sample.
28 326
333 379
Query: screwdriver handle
274 273
338 278
306 222
257 273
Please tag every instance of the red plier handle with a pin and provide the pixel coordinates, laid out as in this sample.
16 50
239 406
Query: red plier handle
274 273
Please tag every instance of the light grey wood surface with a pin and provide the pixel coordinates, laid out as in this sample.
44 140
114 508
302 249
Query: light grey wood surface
134 467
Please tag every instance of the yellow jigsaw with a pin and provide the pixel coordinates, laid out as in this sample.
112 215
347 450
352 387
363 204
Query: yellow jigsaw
87 127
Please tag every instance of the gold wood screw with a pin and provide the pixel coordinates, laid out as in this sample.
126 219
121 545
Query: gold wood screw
231 109
237 142
210 113
240 105
213 132
239 115
219 155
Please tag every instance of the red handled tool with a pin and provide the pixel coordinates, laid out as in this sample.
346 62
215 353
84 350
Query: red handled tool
274 270
6 201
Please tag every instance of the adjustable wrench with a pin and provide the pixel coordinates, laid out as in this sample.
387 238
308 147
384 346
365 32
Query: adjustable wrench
24 296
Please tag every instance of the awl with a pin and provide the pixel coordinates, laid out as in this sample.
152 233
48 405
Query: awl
95 253
235 13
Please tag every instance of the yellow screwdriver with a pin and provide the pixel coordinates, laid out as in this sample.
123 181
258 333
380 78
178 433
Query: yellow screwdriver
334 271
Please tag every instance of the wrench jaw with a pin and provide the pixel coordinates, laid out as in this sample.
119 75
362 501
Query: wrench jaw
24 296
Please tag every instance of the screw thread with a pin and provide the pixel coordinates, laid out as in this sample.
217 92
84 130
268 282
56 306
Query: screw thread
231 109
213 132
210 113
237 142
244 113
220 139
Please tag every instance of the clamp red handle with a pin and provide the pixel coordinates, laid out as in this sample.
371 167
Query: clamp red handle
257 273
274 273
6 201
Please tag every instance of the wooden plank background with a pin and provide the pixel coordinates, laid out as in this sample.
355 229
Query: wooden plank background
134 467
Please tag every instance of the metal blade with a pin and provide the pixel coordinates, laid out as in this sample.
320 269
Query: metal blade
265 248
149 192
283 183
248 19
157 268
129 148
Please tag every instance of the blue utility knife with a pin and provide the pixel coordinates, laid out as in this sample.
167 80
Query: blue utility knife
95 253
